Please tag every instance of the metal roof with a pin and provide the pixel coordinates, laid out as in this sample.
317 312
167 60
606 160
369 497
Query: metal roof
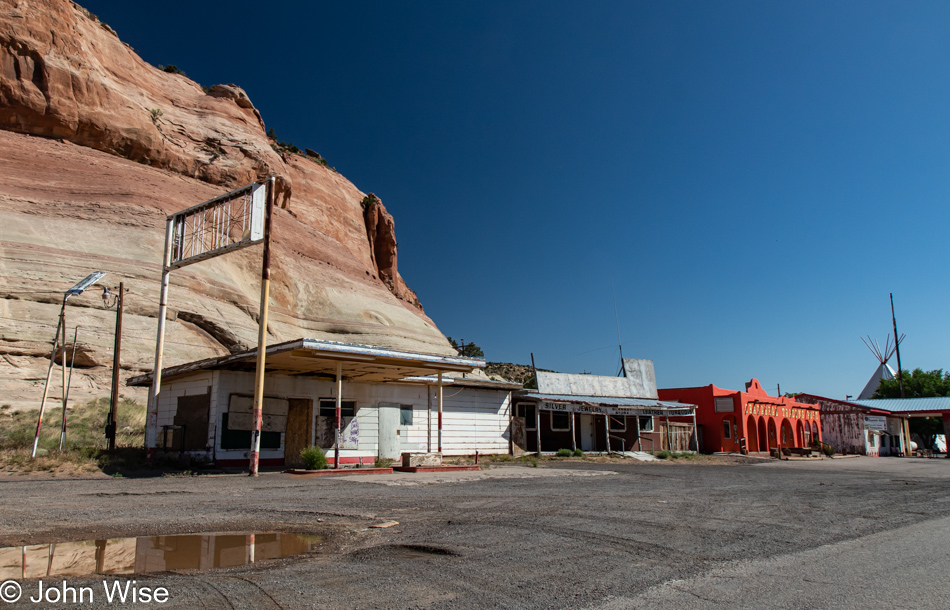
314 358
908 405
641 377
611 401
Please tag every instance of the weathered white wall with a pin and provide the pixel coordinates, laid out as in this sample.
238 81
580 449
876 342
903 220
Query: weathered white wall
473 419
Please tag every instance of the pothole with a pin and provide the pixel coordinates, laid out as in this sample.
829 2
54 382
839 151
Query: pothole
403 551
144 554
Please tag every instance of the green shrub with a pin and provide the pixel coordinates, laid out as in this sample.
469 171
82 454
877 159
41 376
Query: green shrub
827 449
564 453
314 458
663 455
382 462
578 453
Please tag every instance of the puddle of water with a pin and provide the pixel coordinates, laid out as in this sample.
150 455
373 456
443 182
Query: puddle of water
149 554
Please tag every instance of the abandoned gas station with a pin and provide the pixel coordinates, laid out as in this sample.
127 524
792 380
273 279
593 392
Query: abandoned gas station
386 401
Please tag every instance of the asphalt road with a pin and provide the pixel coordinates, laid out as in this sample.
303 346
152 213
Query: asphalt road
855 533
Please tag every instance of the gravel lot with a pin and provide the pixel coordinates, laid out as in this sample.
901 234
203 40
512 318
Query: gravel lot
564 535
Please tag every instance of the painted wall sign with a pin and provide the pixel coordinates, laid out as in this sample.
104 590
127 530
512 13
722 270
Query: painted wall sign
570 407
779 411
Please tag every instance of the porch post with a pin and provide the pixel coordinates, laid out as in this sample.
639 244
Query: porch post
696 432
637 417
439 401
669 444
339 412
537 425
428 418
573 438
607 432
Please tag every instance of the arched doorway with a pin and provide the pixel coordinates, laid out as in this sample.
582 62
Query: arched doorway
773 435
814 432
800 440
788 440
752 438
763 437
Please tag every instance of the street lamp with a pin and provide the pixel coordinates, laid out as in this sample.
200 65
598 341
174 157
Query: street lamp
76 290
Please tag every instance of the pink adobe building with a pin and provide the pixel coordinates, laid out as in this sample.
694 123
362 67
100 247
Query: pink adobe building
726 417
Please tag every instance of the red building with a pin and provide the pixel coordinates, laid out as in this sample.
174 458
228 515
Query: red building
725 417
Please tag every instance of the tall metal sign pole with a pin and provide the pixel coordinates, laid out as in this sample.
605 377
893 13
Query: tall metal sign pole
897 348
232 221
151 427
262 337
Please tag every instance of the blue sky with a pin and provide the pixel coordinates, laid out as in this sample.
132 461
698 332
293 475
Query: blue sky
753 178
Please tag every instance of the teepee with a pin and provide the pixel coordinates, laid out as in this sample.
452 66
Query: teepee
883 371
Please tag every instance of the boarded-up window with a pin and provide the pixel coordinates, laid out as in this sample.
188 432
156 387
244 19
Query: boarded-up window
241 439
192 414
724 405
618 423
241 409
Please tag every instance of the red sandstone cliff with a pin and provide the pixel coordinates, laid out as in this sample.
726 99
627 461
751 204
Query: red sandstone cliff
97 147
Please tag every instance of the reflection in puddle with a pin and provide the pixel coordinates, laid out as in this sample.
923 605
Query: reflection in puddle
149 554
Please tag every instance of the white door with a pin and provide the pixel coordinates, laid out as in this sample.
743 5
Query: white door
388 427
587 432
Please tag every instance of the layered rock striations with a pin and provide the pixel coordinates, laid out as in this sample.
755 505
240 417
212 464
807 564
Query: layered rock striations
97 147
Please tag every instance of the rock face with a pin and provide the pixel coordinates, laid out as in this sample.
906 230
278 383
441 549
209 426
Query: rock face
97 147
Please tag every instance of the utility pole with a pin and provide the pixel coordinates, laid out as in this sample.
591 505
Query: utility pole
116 356
897 347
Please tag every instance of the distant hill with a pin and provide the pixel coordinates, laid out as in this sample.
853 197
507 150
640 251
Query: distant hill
519 373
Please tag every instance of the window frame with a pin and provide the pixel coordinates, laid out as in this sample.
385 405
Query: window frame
529 422
565 413
344 409
403 409
643 428
726 429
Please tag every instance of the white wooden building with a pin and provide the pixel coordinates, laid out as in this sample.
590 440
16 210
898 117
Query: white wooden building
389 405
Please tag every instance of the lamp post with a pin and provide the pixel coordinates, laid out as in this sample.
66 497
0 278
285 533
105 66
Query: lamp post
78 289
110 300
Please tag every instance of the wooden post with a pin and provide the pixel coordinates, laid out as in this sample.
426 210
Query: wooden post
696 432
262 336
114 398
639 447
428 418
151 427
440 412
339 413
607 432
49 375
573 438
537 423
669 445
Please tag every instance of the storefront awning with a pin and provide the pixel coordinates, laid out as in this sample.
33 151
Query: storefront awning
610 405
312 358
